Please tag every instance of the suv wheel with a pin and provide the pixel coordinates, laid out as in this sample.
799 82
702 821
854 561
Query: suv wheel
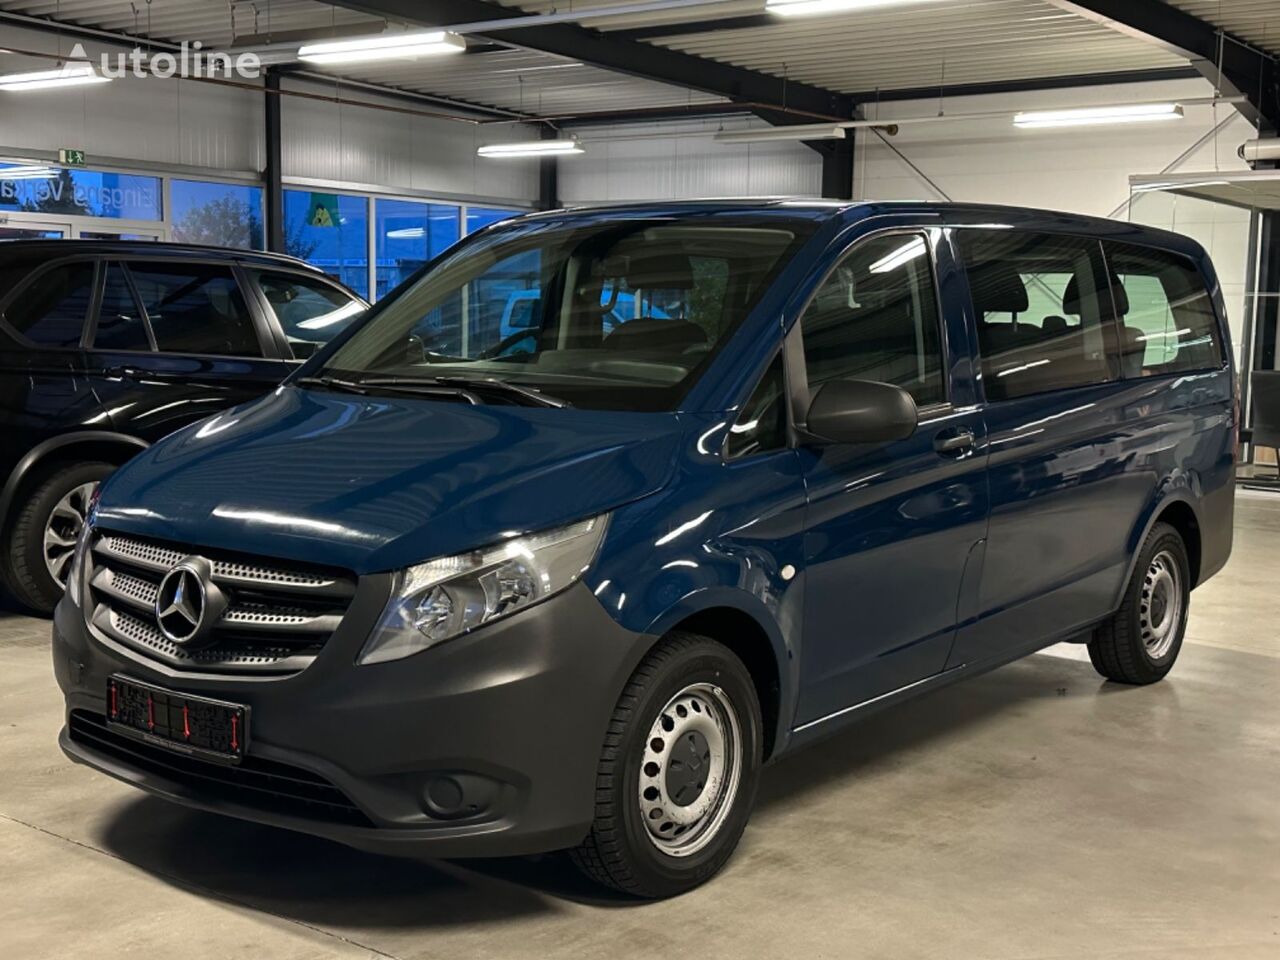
44 533
1140 642
678 773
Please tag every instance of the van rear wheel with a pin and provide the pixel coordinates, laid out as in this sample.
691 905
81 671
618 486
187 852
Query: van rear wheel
677 775
45 529
1140 642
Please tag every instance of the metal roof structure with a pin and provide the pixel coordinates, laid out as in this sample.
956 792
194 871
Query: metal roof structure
644 59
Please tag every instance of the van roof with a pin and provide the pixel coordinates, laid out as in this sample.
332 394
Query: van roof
850 211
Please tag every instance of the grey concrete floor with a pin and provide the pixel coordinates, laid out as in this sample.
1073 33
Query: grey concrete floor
1036 812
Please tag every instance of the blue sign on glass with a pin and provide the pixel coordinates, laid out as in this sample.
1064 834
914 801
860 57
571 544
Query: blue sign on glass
36 188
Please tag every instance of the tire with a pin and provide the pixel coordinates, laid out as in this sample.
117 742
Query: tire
1140 642
28 573
621 851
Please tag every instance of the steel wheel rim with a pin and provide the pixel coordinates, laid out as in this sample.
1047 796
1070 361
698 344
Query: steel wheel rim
62 530
1160 607
684 804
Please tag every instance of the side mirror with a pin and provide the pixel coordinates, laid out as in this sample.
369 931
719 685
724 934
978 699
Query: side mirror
860 411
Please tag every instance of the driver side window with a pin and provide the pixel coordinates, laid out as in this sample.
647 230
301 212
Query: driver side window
876 318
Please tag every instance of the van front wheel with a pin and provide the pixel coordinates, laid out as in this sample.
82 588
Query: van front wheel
1140 642
677 775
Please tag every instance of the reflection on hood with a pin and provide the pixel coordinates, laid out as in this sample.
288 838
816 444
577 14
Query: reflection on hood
374 483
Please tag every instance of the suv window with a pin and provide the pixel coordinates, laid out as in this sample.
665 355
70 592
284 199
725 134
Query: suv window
1043 316
311 311
52 308
195 308
1167 318
120 324
876 318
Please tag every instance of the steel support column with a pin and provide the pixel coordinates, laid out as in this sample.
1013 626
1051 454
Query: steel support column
1267 313
273 214
837 166
549 175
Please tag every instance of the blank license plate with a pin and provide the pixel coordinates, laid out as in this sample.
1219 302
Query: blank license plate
193 725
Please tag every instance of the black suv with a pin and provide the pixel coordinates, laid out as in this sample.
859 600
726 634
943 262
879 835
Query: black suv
107 346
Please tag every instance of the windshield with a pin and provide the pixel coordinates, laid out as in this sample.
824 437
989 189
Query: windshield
608 315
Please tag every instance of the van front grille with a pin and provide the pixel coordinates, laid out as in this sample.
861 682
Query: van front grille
276 620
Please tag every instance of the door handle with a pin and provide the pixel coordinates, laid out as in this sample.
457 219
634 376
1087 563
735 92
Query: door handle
957 442
128 372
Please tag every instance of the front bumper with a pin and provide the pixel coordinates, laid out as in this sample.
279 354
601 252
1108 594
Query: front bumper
484 746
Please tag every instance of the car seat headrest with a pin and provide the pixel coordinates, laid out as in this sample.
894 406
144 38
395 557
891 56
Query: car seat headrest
997 288
1071 298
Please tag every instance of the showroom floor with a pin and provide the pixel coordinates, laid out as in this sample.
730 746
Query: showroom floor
1033 813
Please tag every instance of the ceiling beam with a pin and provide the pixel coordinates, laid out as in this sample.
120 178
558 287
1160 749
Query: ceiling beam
604 118
687 27
1028 85
621 56
1235 67
703 111
475 111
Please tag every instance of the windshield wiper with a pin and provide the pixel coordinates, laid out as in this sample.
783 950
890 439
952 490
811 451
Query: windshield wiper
333 383
415 387
536 397
467 387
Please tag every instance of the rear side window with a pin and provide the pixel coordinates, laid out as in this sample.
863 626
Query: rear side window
311 312
1043 315
876 318
120 323
1167 319
195 308
51 310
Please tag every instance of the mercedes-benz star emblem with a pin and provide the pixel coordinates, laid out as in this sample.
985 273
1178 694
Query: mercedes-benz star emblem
182 604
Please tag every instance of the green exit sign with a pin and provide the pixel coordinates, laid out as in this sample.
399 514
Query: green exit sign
72 158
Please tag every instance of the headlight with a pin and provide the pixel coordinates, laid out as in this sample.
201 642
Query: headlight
82 547
445 598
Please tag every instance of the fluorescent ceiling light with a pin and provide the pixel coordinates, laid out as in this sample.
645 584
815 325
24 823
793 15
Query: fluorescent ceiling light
903 255
1090 116
416 233
805 131
68 75
27 172
384 46
531 148
800 8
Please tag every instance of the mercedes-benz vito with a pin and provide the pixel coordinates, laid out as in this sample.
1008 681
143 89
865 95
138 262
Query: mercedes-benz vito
447 593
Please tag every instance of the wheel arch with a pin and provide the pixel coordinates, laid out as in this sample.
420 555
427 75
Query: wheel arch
83 444
1181 515
1178 509
744 625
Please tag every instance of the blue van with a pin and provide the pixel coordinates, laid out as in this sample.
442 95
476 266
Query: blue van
435 596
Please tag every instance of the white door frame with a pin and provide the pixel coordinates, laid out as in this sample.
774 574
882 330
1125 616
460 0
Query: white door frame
73 226
35 222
